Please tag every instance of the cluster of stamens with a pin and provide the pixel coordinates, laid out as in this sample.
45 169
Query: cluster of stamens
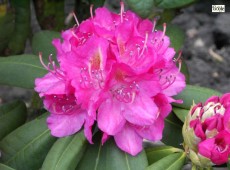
126 94
93 78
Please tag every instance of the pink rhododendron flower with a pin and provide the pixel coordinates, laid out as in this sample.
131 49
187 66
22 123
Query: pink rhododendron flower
117 70
207 132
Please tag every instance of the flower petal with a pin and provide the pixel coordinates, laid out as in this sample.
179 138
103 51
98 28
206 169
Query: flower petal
128 140
152 132
65 125
142 111
110 119
49 84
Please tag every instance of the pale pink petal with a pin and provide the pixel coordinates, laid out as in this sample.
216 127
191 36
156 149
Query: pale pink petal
128 140
66 124
110 118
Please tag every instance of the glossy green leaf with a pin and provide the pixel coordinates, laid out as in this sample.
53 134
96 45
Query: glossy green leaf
184 70
172 134
176 35
180 113
22 26
65 153
20 70
97 3
171 162
27 146
42 42
143 8
5 167
172 3
12 115
110 157
156 153
194 93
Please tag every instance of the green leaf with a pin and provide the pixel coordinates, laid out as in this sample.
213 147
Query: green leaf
12 115
65 153
196 94
97 3
156 153
20 70
176 35
27 146
172 3
5 167
22 26
184 70
42 42
109 156
172 134
180 113
171 162
143 8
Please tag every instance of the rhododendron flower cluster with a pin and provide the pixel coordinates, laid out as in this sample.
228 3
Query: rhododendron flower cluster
116 70
207 132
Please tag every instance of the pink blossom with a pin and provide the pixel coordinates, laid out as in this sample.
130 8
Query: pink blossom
115 69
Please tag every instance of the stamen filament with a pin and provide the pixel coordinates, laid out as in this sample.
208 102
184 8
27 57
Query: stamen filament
91 10
75 17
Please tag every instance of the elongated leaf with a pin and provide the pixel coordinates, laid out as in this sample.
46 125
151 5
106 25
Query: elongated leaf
109 157
156 153
184 70
180 113
173 3
65 153
42 42
143 8
26 147
20 70
172 134
5 167
12 115
171 162
196 94
97 3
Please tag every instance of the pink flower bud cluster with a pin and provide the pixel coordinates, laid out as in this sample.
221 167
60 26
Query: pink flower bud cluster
207 131
117 70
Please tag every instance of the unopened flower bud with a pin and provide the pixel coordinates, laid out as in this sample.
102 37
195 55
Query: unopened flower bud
206 132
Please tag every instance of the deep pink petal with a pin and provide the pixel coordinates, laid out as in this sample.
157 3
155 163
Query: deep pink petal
88 128
65 125
110 118
128 140
163 104
214 99
205 147
225 100
142 111
152 132
49 84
